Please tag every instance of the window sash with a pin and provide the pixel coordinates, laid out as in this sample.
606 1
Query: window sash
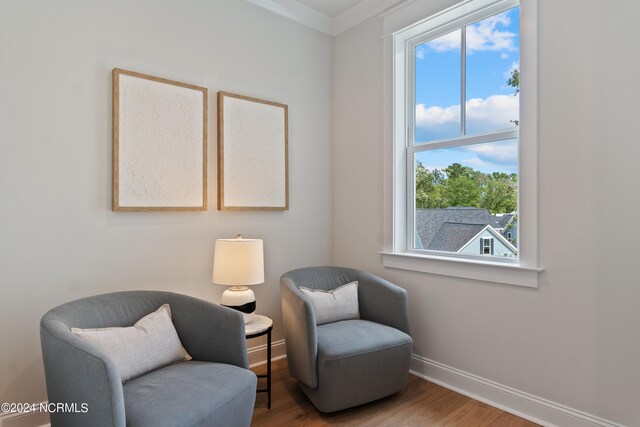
412 148
410 86
410 229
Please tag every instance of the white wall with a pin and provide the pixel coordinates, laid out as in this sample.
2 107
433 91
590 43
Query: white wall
59 239
574 340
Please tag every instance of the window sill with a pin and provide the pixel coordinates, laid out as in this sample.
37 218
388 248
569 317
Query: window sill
510 274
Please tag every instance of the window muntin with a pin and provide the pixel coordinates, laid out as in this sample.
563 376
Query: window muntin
478 133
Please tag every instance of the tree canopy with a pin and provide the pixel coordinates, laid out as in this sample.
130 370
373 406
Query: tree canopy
459 185
514 82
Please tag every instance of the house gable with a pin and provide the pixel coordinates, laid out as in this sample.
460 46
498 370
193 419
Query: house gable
501 247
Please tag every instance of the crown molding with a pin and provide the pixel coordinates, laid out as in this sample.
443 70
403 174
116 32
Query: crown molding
360 13
305 15
299 13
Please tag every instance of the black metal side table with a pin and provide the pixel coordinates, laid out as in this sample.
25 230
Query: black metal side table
259 326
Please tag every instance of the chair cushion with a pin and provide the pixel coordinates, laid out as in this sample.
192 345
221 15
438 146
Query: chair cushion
355 337
149 344
359 361
340 303
191 393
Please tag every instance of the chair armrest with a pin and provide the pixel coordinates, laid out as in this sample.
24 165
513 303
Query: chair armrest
300 333
210 332
78 373
383 302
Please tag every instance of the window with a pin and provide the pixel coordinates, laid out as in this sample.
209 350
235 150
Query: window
486 246
464 162
462 145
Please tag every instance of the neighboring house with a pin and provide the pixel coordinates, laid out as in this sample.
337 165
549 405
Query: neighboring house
466 230
510 231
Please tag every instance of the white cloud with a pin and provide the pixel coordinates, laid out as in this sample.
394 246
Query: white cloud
474 161
485 36
445 43
435 116
420 52
483 115
502 55
481 36
492 113
500 153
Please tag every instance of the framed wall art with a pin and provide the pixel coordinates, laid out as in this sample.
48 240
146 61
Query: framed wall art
159 144
252 154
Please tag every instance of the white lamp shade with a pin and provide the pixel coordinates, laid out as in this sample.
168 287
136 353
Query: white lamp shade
238 262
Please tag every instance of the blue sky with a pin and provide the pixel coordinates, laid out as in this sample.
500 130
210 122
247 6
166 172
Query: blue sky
493 50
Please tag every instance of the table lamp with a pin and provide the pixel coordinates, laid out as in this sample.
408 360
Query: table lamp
239 263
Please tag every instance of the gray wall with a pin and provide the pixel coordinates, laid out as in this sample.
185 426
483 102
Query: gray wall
59 239
574 340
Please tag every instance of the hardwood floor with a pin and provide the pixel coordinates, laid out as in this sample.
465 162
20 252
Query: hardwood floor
422 403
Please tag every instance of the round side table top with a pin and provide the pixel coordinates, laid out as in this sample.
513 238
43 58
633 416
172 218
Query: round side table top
258 324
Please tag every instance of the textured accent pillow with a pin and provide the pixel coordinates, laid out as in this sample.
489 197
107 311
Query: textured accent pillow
149 344
338 304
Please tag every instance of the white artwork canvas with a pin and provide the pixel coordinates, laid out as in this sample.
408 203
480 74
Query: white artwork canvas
253 166
159 144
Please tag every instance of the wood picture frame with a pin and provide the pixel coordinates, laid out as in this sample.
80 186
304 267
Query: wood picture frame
253 159
159 144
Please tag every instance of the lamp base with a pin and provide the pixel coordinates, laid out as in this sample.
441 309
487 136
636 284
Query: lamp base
240 298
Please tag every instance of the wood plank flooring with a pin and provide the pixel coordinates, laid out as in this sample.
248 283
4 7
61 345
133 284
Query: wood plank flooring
422 403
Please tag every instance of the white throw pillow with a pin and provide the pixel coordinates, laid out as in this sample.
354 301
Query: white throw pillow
149 344
331 306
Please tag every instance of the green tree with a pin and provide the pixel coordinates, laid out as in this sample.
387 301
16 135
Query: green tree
459 185
456 170
428 187
462 191
500 195
514 79
514 82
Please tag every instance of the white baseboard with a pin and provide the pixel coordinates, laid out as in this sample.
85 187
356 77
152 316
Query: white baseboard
527 406
258 354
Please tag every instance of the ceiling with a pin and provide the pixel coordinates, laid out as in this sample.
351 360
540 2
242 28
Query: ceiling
331 8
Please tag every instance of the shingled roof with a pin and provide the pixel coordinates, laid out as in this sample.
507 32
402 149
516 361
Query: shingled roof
442 229
453 235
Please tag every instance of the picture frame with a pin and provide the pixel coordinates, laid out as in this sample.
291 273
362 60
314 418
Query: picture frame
253 162
159 144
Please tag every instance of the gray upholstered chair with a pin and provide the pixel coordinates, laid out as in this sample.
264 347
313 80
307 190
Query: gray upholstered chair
213 389
350 362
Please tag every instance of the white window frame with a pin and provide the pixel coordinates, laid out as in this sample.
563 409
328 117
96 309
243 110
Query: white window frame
398 249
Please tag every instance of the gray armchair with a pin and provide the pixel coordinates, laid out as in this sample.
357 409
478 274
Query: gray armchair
351 362
215 388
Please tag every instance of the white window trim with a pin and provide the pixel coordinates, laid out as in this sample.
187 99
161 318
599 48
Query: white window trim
395 253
